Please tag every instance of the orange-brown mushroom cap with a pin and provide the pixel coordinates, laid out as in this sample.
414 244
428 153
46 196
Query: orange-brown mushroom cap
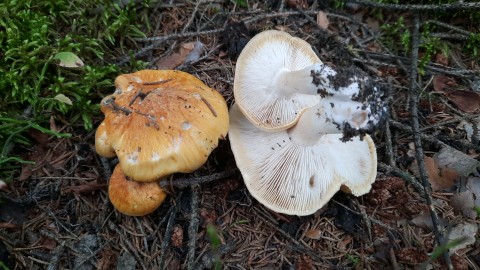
134 198
159 122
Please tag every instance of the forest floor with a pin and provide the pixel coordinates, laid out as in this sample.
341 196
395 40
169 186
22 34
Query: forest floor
56 213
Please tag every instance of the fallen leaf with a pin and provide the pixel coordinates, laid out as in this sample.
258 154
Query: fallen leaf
465 232
63 99
322 20
442 83
467 101
439 178
68 60
195 54
300 4
423 220
411 255
464 203
175 59
177 236
441 59
462 164
3 185
313 234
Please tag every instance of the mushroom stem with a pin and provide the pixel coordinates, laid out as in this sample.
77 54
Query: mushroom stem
304 81
331 116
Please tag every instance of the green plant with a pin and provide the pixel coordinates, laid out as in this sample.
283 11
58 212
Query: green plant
355 260
214 237
32 34
3 266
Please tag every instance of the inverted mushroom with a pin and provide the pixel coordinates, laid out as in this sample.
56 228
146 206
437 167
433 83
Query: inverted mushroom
297 171
134 198
160 122
277 77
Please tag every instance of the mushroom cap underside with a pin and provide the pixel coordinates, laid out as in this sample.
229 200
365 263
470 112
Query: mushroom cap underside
134 198
263 59
294 179
160 122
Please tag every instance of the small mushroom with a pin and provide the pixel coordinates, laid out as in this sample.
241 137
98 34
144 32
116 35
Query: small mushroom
160 122
134 198
296 171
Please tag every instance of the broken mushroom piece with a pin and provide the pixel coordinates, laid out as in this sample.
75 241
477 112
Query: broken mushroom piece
297 171
134 198
160 122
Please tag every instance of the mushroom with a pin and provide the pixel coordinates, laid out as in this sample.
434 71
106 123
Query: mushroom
134 198
277 77
160 122
297 170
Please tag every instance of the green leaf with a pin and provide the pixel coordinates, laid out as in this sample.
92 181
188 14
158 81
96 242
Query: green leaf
64 99
68 59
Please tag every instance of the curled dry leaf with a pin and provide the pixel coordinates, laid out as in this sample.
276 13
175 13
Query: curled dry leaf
188 52
424 220
467 101
322 20
313 234
440 178
447 166
466 201
300 4
442 83
465 232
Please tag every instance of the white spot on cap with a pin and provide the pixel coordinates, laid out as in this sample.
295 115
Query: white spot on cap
137 79
133 158
118 91
197 96
162 118
176 144
186 125
130 87
155 157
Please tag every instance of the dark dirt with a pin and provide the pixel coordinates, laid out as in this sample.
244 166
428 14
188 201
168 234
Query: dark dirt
56 213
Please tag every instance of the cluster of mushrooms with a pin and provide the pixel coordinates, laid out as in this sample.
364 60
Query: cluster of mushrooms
298 127
157 122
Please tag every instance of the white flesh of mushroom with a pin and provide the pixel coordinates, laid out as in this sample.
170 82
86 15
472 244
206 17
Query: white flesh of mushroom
298 175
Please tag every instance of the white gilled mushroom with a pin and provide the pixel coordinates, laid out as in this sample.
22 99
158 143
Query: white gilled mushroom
297 171
277 77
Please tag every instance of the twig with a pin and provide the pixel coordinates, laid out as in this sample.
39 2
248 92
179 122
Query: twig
57 253
402 174
443 7
414 97
131 248
193 228
185 182
298 246
167 238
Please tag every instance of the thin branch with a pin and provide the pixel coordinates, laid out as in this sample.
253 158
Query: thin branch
442 7
417 141
193 228
185 182
167 238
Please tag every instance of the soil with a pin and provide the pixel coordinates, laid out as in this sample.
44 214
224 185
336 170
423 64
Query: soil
56 213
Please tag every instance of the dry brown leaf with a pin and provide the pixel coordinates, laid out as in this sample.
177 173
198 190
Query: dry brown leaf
442 83
467 101
322 20
175 59
313 234
441 59
440 178
423 220
300 4
177 236
464 203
